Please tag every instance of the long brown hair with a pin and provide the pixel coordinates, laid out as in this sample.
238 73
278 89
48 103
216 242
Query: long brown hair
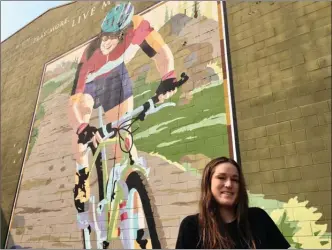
209 216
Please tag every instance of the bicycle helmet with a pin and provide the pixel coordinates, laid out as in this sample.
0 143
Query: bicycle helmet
118 18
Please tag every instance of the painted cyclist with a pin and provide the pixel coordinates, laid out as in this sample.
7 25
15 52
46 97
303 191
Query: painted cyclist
102 80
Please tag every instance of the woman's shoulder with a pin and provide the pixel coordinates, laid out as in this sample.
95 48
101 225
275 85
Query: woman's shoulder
258 213
190 220
256 210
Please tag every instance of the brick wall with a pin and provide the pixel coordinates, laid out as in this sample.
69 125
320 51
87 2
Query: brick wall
281 62
281 67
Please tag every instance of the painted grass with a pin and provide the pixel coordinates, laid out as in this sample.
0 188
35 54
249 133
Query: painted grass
193 130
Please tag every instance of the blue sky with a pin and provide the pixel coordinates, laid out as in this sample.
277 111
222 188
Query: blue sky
16 14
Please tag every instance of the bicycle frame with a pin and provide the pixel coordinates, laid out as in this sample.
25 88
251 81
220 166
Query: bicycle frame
112 183
118 172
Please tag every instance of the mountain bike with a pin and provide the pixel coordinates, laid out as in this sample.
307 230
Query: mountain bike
124 209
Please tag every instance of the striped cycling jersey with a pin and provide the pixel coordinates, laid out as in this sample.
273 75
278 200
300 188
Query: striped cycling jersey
141 34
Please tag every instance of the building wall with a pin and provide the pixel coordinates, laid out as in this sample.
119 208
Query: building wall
281 68
281 64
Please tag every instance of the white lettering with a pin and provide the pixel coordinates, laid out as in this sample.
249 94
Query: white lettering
92 10
105 4
85 15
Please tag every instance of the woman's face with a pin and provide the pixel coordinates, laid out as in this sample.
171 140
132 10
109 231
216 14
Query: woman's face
108 44
225 184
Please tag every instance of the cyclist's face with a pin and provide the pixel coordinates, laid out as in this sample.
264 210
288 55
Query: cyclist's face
108 43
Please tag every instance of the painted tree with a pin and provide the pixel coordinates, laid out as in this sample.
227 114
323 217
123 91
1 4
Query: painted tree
185 6
196 11
166 15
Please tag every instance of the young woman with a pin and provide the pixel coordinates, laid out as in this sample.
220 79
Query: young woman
224 219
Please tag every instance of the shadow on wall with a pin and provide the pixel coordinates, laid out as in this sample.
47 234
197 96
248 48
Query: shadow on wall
4 230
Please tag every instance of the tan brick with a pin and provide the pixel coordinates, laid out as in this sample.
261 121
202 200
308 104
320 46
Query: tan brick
250 166
251 112
321 73
291 174
275 107
316 6
265 120
321 156
324 118
324 61
319 198
322 95
327 211
324 183
277 76
254 133
286 149
315 171
319 131
311 65
262 100
259 178
257 65
289 114
286 94
246 124
242 43
266 142
320 22
275 188
300 186
277 57
264 35
298 160
299 70
248 145
327 82
321 50
307 122
278 128
271 164
255 189
293 61
257 154
242 105
301 100
310 146
294 136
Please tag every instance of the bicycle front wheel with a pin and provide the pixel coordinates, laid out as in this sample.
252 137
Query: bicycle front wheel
142 232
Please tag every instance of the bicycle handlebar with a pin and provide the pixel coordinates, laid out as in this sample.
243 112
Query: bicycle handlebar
142 110
110 130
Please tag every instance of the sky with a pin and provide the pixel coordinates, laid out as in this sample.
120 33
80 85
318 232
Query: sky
16 14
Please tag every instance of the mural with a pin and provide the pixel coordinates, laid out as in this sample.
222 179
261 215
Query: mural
123 127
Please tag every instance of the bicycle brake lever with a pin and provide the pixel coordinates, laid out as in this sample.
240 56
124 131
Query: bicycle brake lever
161 106
101 205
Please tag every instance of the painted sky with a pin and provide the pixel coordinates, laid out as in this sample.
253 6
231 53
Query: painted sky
16 14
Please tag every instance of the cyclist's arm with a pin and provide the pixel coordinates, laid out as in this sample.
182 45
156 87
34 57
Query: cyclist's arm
154 46
75 116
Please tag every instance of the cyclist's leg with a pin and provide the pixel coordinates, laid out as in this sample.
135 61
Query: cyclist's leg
116 113
82 185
